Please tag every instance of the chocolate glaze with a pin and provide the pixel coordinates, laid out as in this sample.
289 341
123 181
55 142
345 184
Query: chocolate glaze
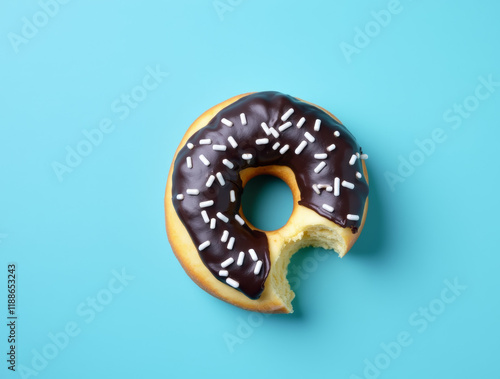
261 107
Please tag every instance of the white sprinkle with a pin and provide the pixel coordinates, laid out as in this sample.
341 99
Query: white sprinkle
262 141
223 273
316 189
204 245
204 214
321 156
241 258
358 175
220 178
219 147
276 145
233 283
284 149
287 114
257 268
180 196
206 141
317 125
357 154
226 122
327 207
331 147
285 126
190 146
353 217
253 255
205 161
266 128
243 119
239 219
232 141
336 187
230 244
206 204
232 196
364 156
227 163
212 223
329 188
210 181
301 147
194 192
222 217
225 236
189 162
320 167
274 132
227 262
347 184
247 157
309 137
301 122
336 133
353 159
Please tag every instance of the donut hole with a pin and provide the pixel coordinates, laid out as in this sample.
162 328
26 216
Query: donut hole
267 202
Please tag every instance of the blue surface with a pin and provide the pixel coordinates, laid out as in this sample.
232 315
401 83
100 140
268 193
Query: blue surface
386 310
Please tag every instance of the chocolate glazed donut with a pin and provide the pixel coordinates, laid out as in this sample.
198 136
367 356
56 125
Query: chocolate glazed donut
262 129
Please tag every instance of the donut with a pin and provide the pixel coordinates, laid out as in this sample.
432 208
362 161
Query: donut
262 133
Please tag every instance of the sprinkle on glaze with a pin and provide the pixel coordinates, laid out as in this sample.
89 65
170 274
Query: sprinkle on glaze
210 181
243 119
232 141
257 268
222 217
205 161
320 167
204 245
309 137
287 114
317 125
220 178
233 283
219 147
327 207
347 184
230 244
227 163
205 217
285 126
241 258
239 219
301 147
226 122
284 149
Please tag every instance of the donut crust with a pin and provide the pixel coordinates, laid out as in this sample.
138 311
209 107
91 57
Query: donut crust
304 228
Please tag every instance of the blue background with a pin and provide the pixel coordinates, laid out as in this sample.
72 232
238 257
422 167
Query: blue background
437 223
